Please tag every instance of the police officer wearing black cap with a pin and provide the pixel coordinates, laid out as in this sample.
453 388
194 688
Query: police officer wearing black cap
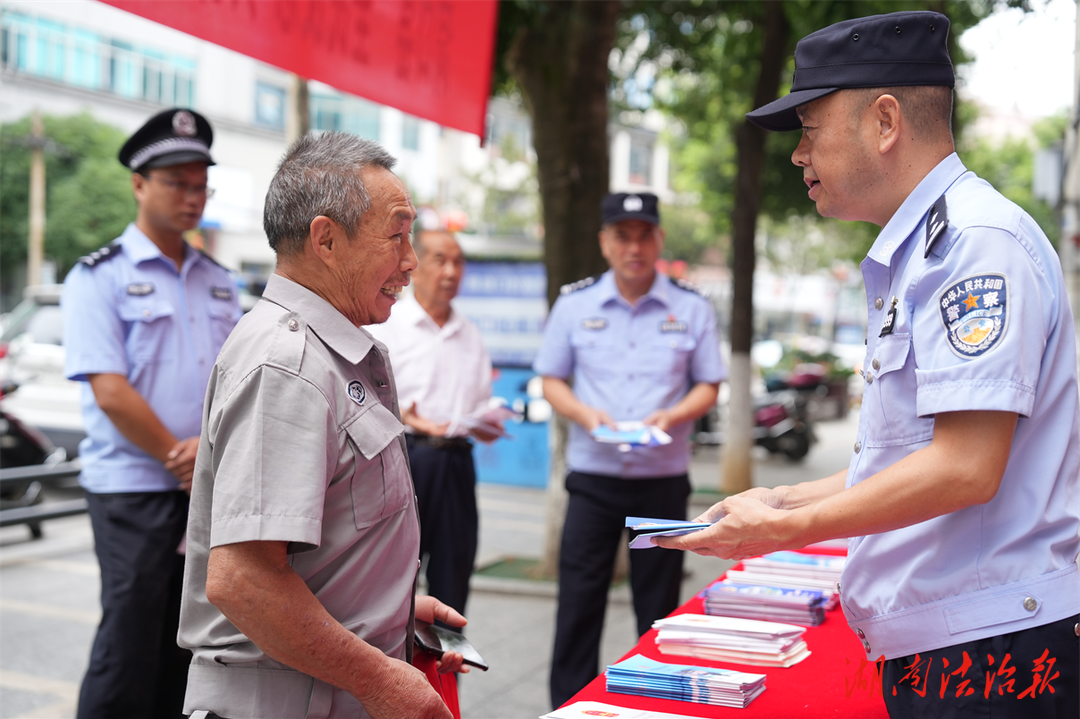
144 319
637 346
961 499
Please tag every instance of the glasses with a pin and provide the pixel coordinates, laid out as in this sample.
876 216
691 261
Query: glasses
183 188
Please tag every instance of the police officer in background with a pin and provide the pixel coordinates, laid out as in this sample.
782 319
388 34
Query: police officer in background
961 499
144 319
631 344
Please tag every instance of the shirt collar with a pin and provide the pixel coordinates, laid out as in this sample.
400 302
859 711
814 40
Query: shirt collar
912 213
659 290
332 327
140 248
413 313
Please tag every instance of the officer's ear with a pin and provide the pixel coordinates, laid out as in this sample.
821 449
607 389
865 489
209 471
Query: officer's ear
888 119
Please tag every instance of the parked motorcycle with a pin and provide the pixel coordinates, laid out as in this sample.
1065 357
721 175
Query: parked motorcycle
21 446
782 425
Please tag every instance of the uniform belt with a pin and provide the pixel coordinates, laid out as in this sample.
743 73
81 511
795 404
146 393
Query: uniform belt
427 440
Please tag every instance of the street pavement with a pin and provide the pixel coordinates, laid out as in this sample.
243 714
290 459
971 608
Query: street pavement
49 595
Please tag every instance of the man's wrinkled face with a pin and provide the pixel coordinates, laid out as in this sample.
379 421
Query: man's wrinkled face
439 270
380 257
835 156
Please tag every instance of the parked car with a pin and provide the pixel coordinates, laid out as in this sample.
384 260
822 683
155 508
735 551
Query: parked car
32 357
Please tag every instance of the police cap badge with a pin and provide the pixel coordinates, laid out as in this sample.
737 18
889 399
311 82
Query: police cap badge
169 138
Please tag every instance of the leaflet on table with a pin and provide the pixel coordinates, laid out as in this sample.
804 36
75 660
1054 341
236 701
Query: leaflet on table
629 435
659 528
704 685
591 710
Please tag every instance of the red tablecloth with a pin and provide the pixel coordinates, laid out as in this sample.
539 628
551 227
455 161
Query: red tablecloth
834 681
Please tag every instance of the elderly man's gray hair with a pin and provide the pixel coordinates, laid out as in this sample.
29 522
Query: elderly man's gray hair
319 175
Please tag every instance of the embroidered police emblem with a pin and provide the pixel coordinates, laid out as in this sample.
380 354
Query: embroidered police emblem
633 203
140 289
975 314
183 124
673 325
357 392
221 293
594 323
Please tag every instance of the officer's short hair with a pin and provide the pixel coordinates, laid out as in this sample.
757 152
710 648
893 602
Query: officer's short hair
319 175
927 108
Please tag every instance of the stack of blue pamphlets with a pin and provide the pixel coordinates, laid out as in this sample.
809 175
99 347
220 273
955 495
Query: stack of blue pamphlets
651 527
754 601
793 570
702 685
631 435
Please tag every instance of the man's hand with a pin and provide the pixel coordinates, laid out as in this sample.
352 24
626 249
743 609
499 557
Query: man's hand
403 692
747 527
429 609
661 419
486 436
590 418
410 418
180 461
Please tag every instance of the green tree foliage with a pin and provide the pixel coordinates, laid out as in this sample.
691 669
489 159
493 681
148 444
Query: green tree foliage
88 192
1009 166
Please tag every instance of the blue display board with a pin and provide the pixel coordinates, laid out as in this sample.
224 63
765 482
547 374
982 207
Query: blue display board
523 460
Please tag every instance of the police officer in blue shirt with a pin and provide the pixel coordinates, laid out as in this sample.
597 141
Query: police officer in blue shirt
637 346
144 319
961 500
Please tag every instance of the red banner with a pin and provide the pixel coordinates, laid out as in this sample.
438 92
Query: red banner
429 58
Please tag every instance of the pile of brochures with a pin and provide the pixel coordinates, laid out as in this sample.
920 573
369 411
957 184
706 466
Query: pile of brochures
703 685
733 639
754 601
792 570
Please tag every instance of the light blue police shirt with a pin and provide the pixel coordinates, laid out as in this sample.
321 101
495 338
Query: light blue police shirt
127 311
981 323
630 360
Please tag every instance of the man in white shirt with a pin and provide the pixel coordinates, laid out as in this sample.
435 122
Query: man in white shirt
444 375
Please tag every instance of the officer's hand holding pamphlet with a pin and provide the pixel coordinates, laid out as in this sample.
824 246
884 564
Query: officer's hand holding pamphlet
629 435
659 528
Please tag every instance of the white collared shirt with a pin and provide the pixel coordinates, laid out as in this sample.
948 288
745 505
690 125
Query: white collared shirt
445 370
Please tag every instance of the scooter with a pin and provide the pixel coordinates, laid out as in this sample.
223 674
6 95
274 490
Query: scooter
21 446
781 424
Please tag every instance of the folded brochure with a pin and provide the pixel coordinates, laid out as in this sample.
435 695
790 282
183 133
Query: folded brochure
659 528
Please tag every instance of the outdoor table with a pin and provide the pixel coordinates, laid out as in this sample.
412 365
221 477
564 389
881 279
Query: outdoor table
836 680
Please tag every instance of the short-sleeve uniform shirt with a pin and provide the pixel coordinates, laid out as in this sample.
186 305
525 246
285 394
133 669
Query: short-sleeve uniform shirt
302 444
967 311
128 311
630 360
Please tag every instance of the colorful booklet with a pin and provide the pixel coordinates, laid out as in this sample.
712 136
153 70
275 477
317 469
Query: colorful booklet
659 528
631 435
642 676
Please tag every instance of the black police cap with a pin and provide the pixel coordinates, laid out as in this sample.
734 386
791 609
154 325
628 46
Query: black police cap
169 138
630 206
894 50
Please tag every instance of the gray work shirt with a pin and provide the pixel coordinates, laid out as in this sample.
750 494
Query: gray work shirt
301 443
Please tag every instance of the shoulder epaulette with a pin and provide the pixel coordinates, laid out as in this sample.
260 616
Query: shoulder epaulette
688 286
579 285
98 256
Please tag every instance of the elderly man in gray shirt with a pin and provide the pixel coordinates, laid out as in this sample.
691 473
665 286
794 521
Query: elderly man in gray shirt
303 533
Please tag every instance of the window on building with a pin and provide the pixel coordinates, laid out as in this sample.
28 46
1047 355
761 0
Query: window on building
344 113
269 106
410 133
640 162
52 50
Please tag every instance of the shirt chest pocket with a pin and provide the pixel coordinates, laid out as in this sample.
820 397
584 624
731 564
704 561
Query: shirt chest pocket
669 354
381 485
149 321
594 349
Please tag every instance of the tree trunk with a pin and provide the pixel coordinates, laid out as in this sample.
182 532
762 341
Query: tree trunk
560 62
750 146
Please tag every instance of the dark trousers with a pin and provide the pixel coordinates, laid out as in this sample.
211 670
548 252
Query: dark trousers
445 482
136 668
595 517
1027 674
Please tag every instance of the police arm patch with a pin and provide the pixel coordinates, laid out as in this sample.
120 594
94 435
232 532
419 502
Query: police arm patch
975 313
